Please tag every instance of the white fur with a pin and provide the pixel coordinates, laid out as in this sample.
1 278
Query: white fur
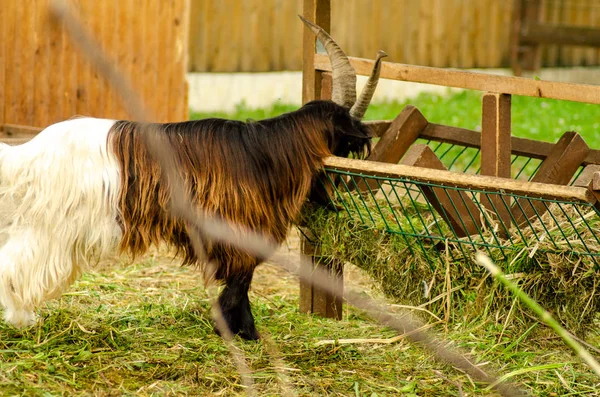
58 209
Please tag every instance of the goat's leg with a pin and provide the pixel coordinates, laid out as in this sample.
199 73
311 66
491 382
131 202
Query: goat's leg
235 307
18 310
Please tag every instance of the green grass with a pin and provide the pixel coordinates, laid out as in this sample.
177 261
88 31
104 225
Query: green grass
144 330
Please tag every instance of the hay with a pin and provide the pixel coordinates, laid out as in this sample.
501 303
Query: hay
444 278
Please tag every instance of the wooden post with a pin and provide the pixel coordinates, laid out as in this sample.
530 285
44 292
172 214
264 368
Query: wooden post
525 55
558 168
315 300
326 85
456 207
319 12
594 187
317 85
496 148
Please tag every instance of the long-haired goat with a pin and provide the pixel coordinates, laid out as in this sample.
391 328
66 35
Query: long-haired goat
87 187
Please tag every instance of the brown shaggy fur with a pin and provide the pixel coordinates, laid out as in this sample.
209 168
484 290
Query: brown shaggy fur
255 174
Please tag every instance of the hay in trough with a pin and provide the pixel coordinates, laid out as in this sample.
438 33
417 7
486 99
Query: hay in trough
439 273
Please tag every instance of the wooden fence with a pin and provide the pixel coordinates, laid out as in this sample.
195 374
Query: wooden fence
43 79
266 35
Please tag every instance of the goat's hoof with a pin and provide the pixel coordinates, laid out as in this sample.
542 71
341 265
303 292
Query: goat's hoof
20 318
247 334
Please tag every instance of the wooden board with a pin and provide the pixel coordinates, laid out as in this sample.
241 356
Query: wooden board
473 81
402 132
586 176
312 299
495 135
326 85
315 300
469 138
396 140
319 12
558 168
466 181
3 60
456 207
561 35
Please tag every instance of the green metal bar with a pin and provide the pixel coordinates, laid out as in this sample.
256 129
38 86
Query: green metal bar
558 225
517 202
395 217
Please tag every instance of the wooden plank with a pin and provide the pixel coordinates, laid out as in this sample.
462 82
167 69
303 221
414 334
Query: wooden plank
532 52
558 168
466 39
55 79
469 138
3 59
562 35
396 141
70 55
515 37
127 48
553 17
479 38
467 181
306 288
495 135
15 130
326 85
26 50
83 101
495 149
111 40
400 135
315 300
195 49
96 89
177 109
590 53
596 181
586 176
473 81
456 207
319 12
424 40
13 62
151 65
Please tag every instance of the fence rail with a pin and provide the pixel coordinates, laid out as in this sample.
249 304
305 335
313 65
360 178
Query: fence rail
266 35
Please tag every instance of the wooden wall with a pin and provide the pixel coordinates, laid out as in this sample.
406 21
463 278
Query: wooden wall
43 79
266 35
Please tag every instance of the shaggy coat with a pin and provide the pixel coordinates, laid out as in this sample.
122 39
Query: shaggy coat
85 188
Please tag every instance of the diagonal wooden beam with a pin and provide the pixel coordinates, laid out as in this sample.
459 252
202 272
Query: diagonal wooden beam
396 140
456 207
558 168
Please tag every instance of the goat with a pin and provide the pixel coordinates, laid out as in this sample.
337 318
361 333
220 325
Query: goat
86 187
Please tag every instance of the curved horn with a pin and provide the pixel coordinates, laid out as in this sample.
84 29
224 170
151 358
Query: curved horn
343 74
360 107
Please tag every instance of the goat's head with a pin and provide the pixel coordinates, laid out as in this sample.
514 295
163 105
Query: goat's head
350 135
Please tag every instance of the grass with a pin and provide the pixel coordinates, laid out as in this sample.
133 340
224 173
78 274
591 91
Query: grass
144 328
